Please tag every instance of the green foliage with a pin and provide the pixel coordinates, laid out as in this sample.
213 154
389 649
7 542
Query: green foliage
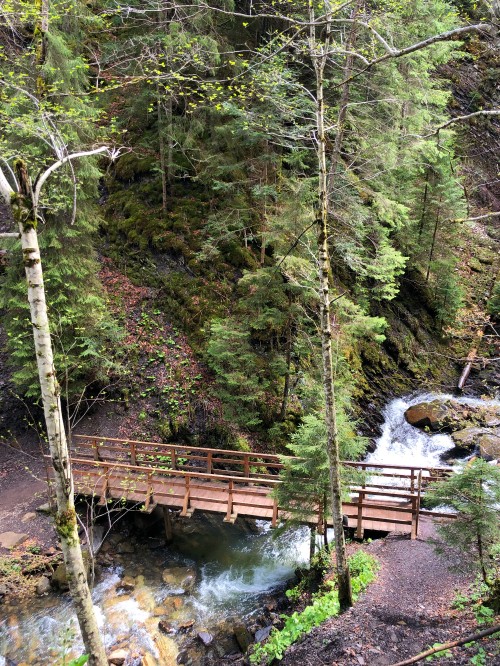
439 654
494 302
363 567
47 114
79 661
474 493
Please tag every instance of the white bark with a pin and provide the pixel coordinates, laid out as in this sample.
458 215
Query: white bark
23 211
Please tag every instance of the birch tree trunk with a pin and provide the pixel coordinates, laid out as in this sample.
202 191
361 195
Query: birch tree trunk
319 56
22 207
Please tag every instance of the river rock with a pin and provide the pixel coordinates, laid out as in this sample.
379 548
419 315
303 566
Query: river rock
262 634
167 650
12 539
242 635
60 578
451 415
467 439
166 627
205 637
118 657
148 660
180 578
126 584
486 439
426 415
489 446
43 586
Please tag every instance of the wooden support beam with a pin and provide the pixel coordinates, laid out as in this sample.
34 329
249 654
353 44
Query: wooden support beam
167 521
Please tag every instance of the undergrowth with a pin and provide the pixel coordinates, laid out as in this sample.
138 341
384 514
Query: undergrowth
325 605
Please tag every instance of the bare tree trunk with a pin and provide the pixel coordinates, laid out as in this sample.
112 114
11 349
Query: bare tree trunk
66 523
161 140
342 568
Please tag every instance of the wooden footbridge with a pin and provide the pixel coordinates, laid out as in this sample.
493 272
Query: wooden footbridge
235 483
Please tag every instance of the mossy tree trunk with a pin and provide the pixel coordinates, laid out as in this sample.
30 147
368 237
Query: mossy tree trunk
319 55
24 214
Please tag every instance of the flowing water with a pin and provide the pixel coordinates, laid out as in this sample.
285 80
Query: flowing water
234 566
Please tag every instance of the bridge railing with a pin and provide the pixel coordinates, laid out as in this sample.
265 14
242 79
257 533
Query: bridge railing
397 489
250 465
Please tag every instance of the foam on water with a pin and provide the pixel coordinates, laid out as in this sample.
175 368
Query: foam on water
400 443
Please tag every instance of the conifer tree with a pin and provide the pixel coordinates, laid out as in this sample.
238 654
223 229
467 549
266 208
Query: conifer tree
474 493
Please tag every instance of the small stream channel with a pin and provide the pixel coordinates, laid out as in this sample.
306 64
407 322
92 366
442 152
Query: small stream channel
213 578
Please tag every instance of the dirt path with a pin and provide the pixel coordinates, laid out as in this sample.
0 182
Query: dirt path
404 612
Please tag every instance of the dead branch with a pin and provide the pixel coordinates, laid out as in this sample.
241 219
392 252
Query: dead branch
447 646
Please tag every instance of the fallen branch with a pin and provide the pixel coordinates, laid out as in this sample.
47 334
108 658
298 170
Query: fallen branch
447 646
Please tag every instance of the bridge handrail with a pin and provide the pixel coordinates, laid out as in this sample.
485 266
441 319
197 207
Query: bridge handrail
275 461
168 472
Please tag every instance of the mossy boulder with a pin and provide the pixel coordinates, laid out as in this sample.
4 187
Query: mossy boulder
452 416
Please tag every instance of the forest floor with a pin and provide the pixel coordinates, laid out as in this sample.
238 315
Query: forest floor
405 611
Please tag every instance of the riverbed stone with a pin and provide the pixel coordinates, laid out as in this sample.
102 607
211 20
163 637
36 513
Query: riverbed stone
489 446
486 439
205 637
242 635
43 586
180 578
118 657
12 539
262 634
167 650
451 416
126 584
28 516
166 627
60 578
426 415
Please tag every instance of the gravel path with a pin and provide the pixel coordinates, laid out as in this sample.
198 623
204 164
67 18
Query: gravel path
404 612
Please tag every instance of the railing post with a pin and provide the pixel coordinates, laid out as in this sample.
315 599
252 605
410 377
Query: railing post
185 505
149 492
174 459
246 465
274 519
133 456
209 462
412 480
419 496
95 446
359 524
229 511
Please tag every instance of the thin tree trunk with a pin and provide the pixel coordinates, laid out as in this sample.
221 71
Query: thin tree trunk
433 244
65 521
288 361
344 581
161 141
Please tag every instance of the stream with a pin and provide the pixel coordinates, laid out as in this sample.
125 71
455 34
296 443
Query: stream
212 578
